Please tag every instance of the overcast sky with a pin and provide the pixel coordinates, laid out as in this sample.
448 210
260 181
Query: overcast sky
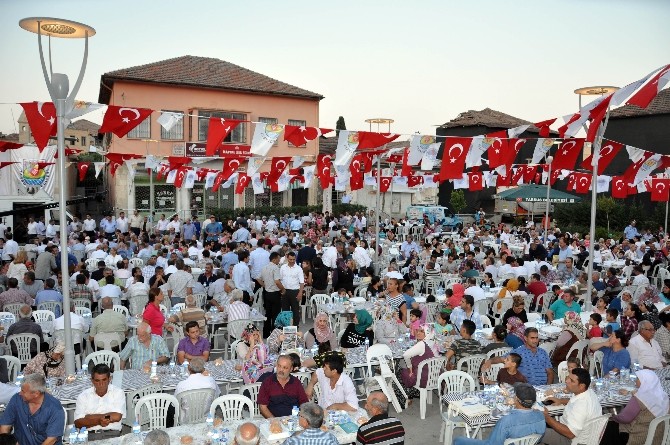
417 62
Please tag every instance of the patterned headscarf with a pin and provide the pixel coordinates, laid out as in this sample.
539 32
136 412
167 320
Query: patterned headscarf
322 334
573 323
248 332
516 327
364 320
284 319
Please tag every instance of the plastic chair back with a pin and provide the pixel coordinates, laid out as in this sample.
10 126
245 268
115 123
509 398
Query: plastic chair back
231 406
156 406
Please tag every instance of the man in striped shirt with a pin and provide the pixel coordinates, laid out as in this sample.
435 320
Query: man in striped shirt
380 428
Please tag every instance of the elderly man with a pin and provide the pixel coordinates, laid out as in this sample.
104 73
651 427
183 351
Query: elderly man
180 283
197 380
311 419
281 391
193 345
26 325
337 390
191 313
219 292
109 321
247 434
535 364
644 349
36 416
157 437
76 322
237 309
14 295
30 284
144 348
565 304
579 409
101 407
380 428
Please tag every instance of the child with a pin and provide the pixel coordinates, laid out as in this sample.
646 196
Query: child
593 326
414 322
510 372
442 326
342 293
573 363
612 324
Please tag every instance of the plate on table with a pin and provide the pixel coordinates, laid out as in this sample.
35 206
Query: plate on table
551 330
485 331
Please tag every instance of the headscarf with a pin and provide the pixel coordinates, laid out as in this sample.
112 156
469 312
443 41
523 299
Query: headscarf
50 363
283 319
248 332
364 320
455 300
573 323
322 334
512 286
517 327
651 393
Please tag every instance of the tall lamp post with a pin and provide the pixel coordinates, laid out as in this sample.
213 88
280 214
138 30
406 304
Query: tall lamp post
58 85
549 160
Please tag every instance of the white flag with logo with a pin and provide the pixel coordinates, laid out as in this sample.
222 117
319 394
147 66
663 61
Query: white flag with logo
152 162
603 183
429 182
284 181
265 136
400 180
429 158
231 180
171 176
541 148
514 133
341 183
130 165
254 164
462 183
478 147
209 179
347 143
189 180
308 174
169 119
80 108
418 145
298 161
647 167
257 183
370 180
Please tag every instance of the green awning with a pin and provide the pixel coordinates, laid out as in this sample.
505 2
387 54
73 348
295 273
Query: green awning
537 193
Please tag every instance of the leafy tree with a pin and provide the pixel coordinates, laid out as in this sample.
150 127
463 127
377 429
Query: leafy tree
340 125
457 201
606 204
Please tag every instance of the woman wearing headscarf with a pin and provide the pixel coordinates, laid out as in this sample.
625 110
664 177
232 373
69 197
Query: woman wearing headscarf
320 333
256 361
573 331
515 332
356 332
455 300
648 402
276 338
518 310
389 326
422 350
48 363
650 313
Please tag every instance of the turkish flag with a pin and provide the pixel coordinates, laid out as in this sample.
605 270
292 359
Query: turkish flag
631 172
82 167
517 175
230 166
567 153
68 152
582 182
513 149
120 120
597 114
394 159
42 121
219 128
218 181
475 181
554 176
406 168
648 92
163 170
116 159
660 190
529 173
504 180
279 164
619 187
453 158
181 175
299 136
357 164
565 127
572 182
413 181
498 148
544 127
384 184
6 145
608 151
202 173
323 163
356 181
177 161
242 182
369 139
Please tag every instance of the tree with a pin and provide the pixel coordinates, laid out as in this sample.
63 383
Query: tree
457 201
340 125
606 204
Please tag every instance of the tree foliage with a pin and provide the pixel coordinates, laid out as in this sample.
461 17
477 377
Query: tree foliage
340 125
457 201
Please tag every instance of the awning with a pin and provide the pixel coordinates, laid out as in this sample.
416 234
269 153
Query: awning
537 193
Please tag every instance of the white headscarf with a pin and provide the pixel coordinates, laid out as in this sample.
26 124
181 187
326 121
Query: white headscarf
651 393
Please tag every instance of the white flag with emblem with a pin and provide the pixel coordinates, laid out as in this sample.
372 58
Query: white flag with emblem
418 146
347 143
308 174
429 158
231 180
171 176
429 182
541 148
265 136
257 183
478 147
152 162
189 180
603 183
169 119
341 183
298 161
284 181
209 179
463 183
647 167
370 180
130 165
254 164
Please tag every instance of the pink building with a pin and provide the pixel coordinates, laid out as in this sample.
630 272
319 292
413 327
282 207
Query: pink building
201 88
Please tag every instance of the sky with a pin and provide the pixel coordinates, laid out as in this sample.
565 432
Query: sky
418 62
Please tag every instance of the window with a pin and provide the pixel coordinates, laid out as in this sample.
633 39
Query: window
176 133
142 131
297 123
269 120
336 196
239 133
83 141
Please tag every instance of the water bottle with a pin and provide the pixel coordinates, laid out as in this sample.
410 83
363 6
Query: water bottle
215 437
82 437
137 433
172 367
184 368
73 435
19 379
84 370
367 344
154 368
223 440
293 422
210 426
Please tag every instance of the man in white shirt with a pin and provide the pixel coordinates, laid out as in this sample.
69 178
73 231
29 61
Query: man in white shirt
360 256
101 407
111 290
76 322
242 276
258 259
408 246
11 249
337 389
196 380
88 226
331 254
639 278
180 283
644 349
32 228
136 221
175 224
579 409
475 291
122 223
271 225
293 280
162 225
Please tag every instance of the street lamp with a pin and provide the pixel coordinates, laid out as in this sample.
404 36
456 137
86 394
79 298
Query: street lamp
549 160
59 85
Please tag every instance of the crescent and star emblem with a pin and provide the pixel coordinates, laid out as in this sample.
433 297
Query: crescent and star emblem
460 152
132 110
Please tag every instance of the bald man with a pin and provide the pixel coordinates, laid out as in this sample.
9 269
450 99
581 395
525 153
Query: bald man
144 348
247 434
380 428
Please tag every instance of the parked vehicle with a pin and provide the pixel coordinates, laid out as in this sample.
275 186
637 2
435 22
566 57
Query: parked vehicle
439 214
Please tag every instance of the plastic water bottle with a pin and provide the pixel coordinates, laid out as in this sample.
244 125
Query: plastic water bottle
367 344
84 370
210 426
184 368
19 379
215 437
172 367
293 422
137 433
223 439
82 437
154 367
73 435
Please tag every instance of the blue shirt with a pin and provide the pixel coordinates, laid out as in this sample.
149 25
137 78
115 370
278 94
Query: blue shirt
559 308
408 301
49 295
534 365
229 259
513 341
518 423
614 360
34 429
312 436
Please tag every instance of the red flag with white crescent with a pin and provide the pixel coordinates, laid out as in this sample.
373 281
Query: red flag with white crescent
42 121
323 163
597 114
356 181
619 187
83 167
242 182
643 97
544 127
218 180
567 154
504 180
475 181
413 181
384 184
517 175
554 176
572 182
219 128
582 182
406 168
608 152
529 173
299 136
230 166
453 158
369 139
120 120
278 166
660 190
181 175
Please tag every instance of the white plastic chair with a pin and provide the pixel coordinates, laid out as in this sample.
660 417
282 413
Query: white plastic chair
492 373
233 349
500 306
317 299
252 389
531 439
121 310
80 310
562 371
81 302
581 347
110 358
472 363
51 306
653 426
453 382
156 409
596 428
132 399
432 366
548 346
381 355
499 352
137 303
13 366
22 344
194 405
232 406
136 262
92 264
486 321
42 316
107 339
200 299
13 308
179 306
596 366
9 316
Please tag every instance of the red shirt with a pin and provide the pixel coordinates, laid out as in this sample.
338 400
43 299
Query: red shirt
154 317
536 288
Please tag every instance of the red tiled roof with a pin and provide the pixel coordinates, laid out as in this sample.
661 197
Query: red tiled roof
660 105
84 125
202 72
489 118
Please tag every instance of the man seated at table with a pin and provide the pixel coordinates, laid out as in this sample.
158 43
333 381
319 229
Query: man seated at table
191 313
157 437
49 294
144 348
311 419
579 409
535 364
193 345
565 304
197 379
36 416
466 312
464 346
238 309
101 407
246 434
14 295
281 391
645 349
337 390
26 325
471 288
109 321
521 421
380 428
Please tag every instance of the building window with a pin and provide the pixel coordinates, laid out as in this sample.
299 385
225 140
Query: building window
336 196
142 131
176 133
297 123
237 136
83 141
271 121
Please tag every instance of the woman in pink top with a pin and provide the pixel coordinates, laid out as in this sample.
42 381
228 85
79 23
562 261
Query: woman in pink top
152 314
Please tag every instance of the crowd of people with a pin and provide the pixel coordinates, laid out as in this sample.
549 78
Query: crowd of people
149 269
